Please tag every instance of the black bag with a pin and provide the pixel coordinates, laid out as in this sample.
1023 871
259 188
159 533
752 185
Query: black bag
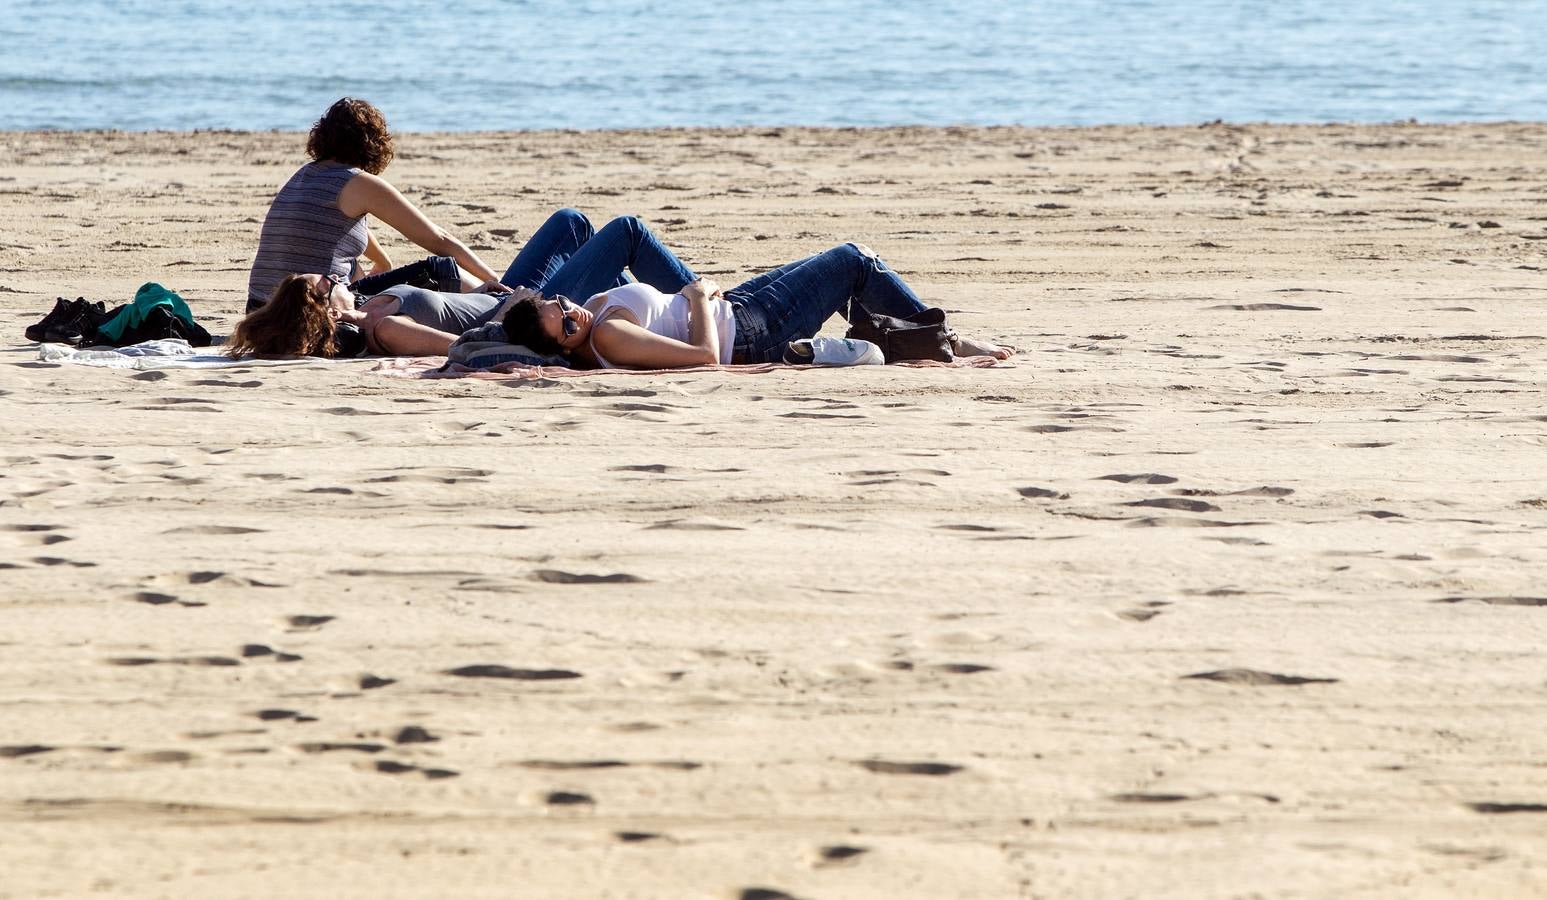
159 324
922 335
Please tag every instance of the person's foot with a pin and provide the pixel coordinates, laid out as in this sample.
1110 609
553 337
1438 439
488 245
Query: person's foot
961 346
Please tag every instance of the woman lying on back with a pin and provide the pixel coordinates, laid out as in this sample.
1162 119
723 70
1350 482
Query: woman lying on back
301 316
637 326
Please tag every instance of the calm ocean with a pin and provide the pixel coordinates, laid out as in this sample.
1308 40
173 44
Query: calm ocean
519 64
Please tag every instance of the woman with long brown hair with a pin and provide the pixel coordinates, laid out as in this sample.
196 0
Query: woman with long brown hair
304 312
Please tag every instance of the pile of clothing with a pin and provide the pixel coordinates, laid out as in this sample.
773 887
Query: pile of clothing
155 313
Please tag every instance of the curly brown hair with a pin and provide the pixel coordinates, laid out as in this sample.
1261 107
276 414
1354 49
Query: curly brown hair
292 323
354 133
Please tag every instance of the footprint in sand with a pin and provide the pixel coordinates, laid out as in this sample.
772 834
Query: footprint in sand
1497 601
38 535
414 734
351 411
765 893
489 670
214 530
340 746
61 561
305 623
158 599
1178 503
568 798
16 751
1142 797
280 715
1264 491
393 767
1265 307
209 577
835 854
1041 493
253 651
430 478
218 661
557 576
693 525
1495 809
1141 478
219 382
636 837
1180 522
888 767
1256 678
871 477
159 757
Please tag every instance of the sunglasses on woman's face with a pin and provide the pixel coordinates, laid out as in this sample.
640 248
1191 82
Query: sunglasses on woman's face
565 309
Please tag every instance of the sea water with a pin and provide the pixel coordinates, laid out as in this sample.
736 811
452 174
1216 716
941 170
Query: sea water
523 64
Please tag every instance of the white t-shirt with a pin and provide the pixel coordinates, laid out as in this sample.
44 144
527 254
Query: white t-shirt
665 315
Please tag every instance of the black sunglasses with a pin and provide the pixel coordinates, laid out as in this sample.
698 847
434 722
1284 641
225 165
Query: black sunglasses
565 308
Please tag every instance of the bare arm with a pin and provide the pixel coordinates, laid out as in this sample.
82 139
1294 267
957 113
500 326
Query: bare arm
380 261
702 332
402 336
624 343
367 194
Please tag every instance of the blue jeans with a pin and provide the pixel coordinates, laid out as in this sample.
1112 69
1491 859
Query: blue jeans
565 256
794 300
436 273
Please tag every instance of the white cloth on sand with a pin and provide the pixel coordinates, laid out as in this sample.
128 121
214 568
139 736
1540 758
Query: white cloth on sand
164 354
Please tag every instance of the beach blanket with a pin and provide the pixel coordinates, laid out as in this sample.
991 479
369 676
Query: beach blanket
164 354
435 367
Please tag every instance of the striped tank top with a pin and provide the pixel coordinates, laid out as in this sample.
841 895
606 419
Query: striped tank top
305 233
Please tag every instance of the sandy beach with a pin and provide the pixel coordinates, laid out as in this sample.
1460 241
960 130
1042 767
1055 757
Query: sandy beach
1232 584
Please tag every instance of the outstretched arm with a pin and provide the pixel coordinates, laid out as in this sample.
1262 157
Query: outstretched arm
366 193
402 336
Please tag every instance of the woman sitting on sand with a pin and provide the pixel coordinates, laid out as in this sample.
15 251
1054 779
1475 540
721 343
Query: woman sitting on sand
317 222
639 327
304 310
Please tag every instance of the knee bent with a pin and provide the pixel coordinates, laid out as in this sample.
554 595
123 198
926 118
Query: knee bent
574 218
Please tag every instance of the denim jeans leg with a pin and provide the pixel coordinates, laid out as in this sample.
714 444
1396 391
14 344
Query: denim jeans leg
802 297
623 243
550 246
437 273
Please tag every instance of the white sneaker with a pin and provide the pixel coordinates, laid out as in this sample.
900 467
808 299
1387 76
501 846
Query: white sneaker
826 351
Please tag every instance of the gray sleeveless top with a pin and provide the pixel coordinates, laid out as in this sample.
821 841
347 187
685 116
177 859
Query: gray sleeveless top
451 313
305 233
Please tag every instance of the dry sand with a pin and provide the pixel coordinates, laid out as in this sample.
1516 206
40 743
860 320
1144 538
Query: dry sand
820 634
